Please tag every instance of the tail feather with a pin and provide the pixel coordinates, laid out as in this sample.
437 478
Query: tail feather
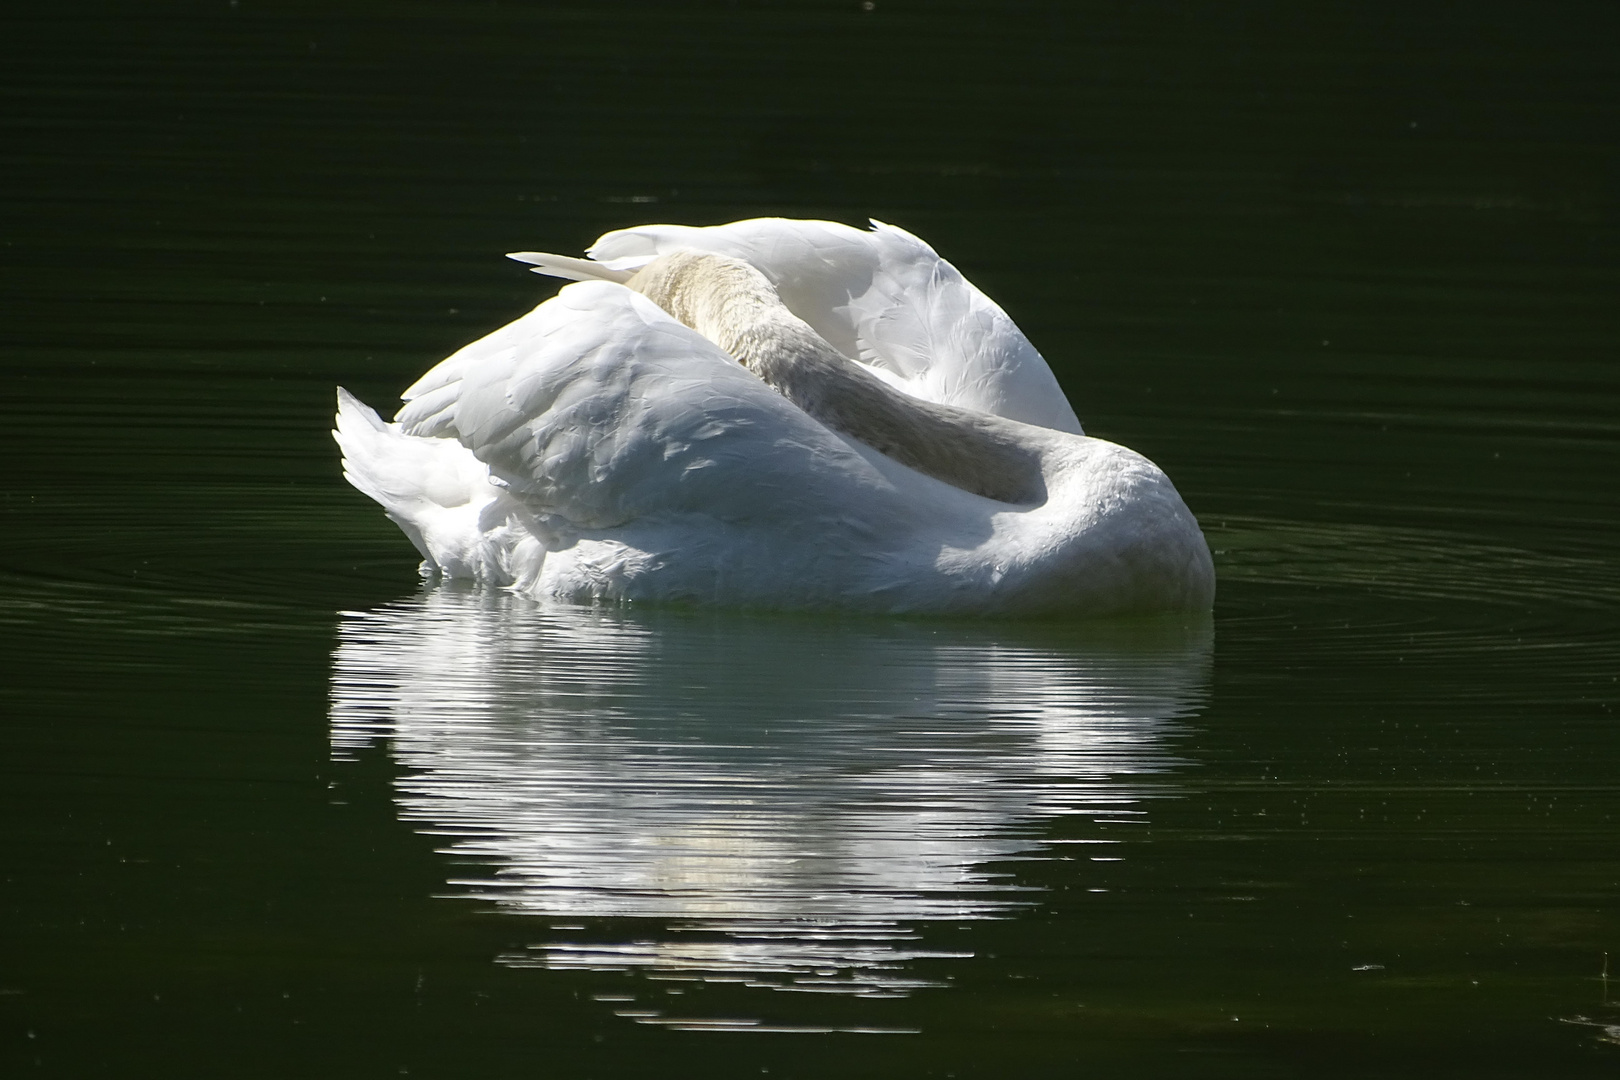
564 266
433 489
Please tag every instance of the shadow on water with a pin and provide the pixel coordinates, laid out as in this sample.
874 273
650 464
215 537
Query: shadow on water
777 801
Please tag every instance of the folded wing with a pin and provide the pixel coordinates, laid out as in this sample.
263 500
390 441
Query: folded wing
598 408
884 298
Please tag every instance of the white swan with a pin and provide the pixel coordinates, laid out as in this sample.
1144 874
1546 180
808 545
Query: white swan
772 413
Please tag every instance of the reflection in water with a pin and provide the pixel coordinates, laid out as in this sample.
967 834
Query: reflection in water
783 796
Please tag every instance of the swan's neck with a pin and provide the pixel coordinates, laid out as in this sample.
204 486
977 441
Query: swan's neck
736 307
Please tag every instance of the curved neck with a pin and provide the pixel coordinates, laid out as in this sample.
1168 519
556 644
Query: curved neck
736 307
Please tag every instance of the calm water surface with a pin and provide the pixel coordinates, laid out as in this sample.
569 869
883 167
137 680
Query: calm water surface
274 807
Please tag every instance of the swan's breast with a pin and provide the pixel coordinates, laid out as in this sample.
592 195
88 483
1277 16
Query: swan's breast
1115 535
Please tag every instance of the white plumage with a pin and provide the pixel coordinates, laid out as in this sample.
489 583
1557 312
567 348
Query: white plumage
601 449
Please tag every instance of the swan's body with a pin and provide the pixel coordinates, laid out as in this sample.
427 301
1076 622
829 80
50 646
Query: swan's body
773 413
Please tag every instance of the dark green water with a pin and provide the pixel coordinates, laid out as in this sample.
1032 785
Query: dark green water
1348 272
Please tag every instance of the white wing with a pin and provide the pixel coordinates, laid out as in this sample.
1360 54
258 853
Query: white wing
600 409
884 298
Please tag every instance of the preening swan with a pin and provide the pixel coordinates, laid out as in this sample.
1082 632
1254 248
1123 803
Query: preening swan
772 413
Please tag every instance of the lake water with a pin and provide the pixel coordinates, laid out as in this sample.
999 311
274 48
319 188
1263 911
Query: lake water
272 807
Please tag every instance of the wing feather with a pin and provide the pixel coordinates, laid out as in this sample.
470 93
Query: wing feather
884 298
598 408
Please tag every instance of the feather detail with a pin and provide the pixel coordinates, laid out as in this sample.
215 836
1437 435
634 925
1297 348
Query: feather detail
569 268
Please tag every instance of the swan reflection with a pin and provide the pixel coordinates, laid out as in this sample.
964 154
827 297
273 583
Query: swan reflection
782 798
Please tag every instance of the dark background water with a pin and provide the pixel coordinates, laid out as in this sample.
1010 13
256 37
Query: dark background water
1347 271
